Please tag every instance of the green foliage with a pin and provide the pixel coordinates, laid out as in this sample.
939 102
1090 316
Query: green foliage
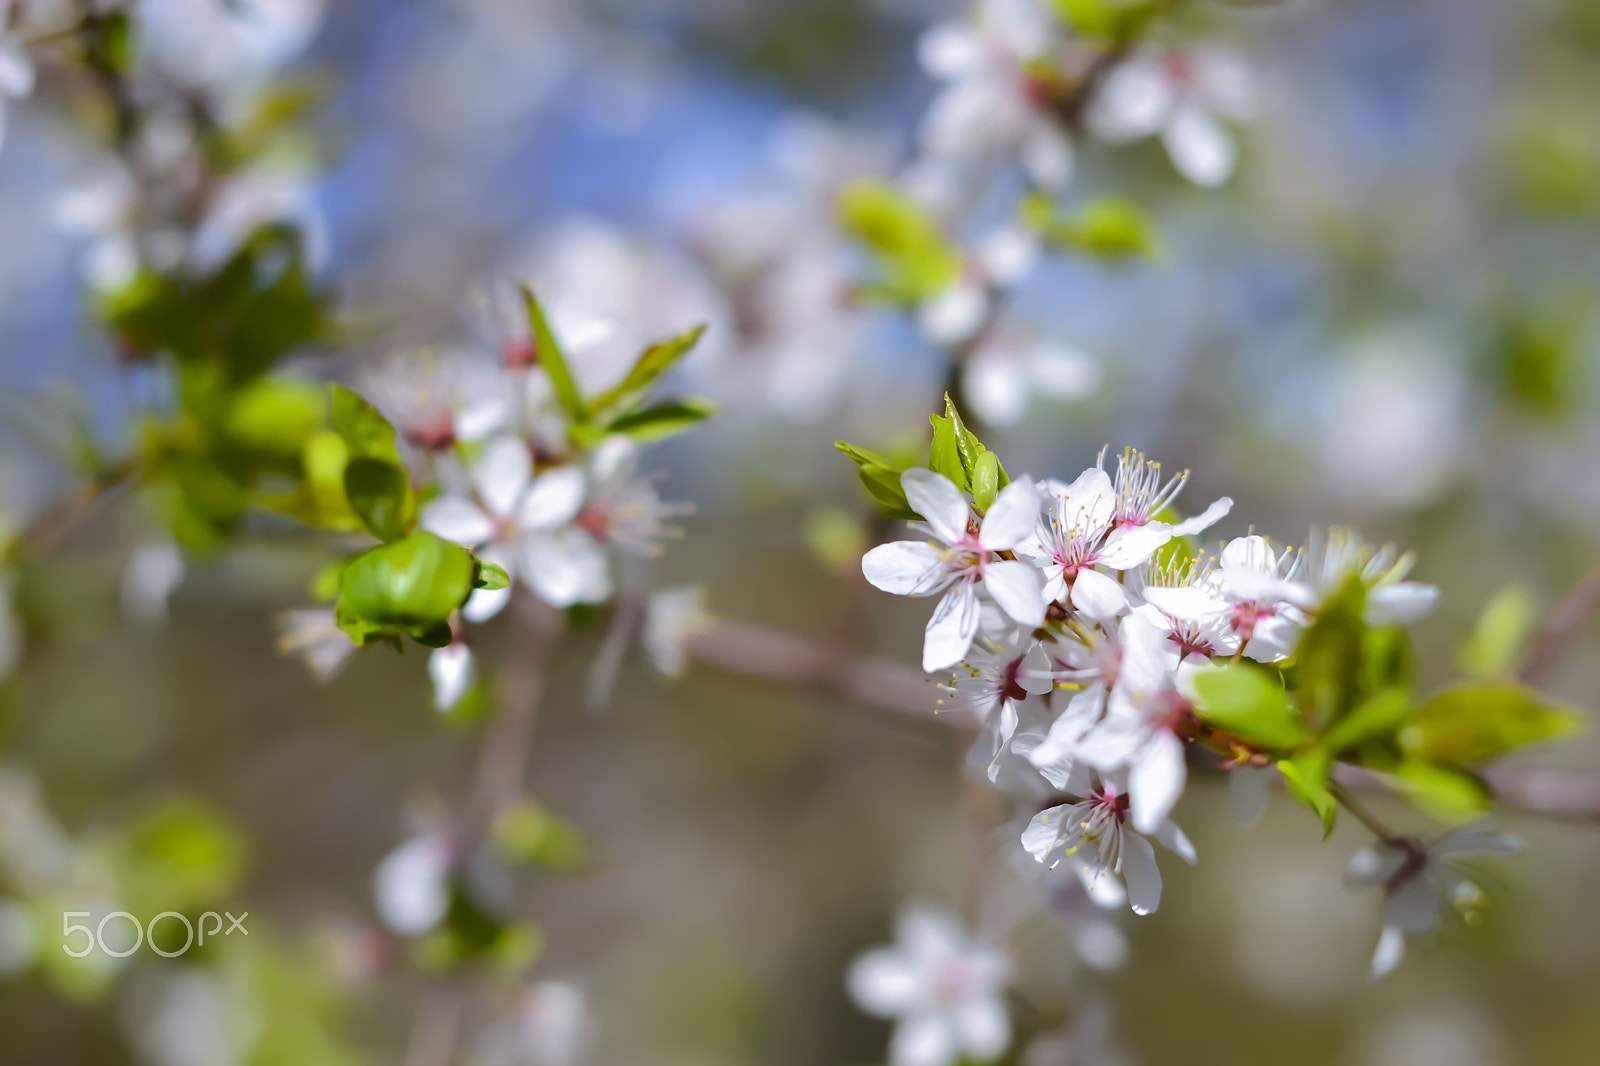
490 577
1445 792
1376 718
1306 775
181 855
550 356
409 586
1106 20
654 362
1245 701
277 415
1541 359
1111 228
664 420
1472 723
915 260
375 478
528 833
1496 643
473 933
1329 661
880 476
956 453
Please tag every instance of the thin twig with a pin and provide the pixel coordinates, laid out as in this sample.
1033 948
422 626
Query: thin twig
1555 641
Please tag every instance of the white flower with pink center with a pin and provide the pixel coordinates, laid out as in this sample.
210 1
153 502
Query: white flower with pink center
967 556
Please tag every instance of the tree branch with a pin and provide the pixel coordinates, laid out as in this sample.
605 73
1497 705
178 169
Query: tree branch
1555 641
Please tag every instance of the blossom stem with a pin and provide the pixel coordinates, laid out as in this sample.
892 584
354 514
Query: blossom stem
1364 816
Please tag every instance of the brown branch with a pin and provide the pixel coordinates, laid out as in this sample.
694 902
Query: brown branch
1555 641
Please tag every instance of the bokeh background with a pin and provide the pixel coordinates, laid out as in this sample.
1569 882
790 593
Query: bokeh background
1385 318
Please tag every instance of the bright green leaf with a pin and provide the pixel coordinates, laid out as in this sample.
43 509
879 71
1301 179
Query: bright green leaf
1476 722
529 833
1447 793
651 365
1374 718
1306 775
490 577
406 585
664 420
986 480
1247 702
1503 629
551 357
1330 657
916 259
380 492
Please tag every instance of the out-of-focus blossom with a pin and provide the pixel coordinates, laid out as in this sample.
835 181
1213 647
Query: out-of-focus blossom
1393 422
192 1021
16 75
225 44
1182 94
438 398
549 1024
1005 371
1336 555
19 943
961 561
313 635
672 618
452 669
151 575
255 198
1419 883
944 991
989 104
104 210
411 887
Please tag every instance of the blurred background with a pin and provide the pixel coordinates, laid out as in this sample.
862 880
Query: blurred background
1384 318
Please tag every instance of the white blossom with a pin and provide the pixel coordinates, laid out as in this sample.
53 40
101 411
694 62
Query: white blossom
1181 94
452 669
16 75
673 617
963 558
943 990
313 635
411 885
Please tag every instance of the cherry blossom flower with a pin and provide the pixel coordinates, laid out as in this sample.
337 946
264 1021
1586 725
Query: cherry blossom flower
1077 534
222 44
104 209
989 104
1146 714
153 572
549 1024
437 399
313 635
673 617
1094 832
1253 581
1334 556
944 991
965 557
452 669
411 885
16 75
1418 881
990 685
1180 94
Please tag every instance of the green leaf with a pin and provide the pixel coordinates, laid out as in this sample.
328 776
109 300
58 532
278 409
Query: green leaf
1503 629
277 415
380 492
529 833
1108 20
1112 228
1245 701
365 431
553 359
944 455
916 259
655 361
664 420
490 577
408 585
986 480
1375 718
1307 778
880 475
1447 793
1330 658
1476 722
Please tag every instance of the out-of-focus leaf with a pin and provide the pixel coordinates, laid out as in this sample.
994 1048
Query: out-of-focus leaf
915 258
531 834
379 492
664 420
836 537
277 415
182 855
1374 718
490 577
1245 701
408 585
1108 227
1476 722
880 475
1106 20
1330 657
656 360
1447 793
365 431
553 359
1503 629
1306 775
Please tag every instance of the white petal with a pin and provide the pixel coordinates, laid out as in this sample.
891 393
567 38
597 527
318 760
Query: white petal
1401 603
1204 520
451 670
1033 677
1047 156
456 519
1132 102
954 315
502 473
984 1028
1413 905
884 983
951 629
1133 546
950 49
1014 515
936 498
1391 950
1169 836
1247 794
553 499
995 384
924 1040
16 67
904 567
1097 595
1199 147
1043 834
566 567
1018 588
1186 602
1141 874
1156 781
1008 254
484 604
477 420
1063 373
1085 507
